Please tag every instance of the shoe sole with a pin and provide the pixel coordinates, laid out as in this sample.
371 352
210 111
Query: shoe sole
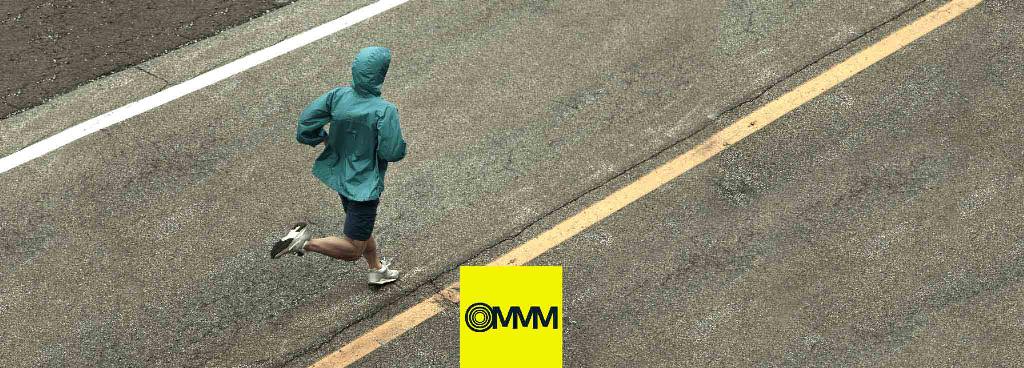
281 247
383 282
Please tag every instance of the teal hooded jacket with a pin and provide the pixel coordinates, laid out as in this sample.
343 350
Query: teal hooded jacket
364 133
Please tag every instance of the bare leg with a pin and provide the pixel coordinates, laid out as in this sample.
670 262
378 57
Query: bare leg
370 253
340 248
346 249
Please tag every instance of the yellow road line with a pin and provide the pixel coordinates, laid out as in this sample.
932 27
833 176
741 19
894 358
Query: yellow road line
380 335
596 212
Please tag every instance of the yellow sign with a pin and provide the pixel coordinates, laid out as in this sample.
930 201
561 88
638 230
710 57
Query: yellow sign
510 316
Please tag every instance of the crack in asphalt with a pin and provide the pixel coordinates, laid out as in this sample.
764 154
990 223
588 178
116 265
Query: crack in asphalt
515 233
821 57
166 82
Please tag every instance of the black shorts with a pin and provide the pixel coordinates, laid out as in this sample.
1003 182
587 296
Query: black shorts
359 217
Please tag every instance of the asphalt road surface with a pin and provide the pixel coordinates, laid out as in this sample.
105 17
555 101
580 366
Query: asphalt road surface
879 224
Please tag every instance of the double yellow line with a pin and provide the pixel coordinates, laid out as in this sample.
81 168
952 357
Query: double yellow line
596 212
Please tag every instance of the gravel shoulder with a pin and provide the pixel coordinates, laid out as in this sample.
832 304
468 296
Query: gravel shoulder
52 46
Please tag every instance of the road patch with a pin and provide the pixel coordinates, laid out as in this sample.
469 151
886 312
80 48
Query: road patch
201 81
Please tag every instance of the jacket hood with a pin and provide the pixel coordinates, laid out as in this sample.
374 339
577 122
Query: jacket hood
369 69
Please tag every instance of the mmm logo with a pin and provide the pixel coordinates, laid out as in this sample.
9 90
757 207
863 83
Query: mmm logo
481 317
510 316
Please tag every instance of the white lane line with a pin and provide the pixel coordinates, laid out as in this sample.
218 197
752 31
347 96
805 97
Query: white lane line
223 72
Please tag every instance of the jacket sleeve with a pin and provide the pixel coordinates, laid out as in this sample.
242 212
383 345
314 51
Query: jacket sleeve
312 120
390 145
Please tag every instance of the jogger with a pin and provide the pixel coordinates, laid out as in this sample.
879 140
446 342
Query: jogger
364 136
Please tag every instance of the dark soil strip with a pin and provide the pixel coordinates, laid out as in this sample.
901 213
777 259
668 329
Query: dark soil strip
50 47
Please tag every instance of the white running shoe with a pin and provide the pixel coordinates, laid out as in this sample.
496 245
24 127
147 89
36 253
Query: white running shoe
384 275
294 242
